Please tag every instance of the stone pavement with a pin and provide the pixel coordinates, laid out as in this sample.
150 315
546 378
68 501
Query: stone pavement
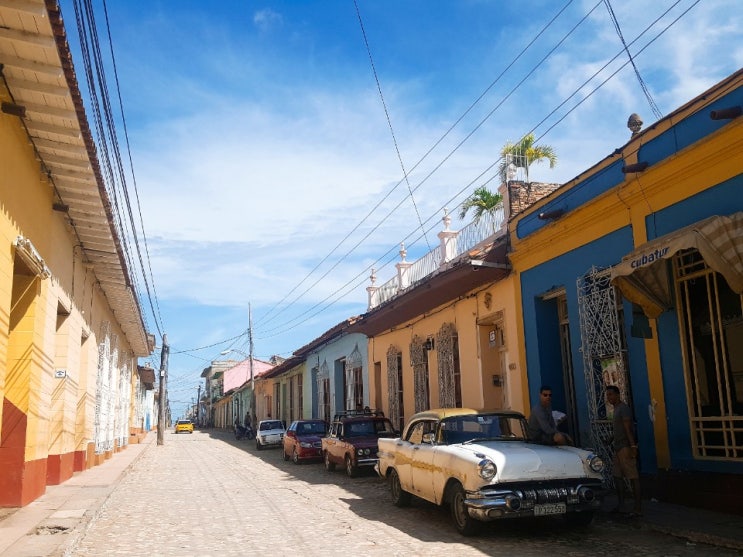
53 524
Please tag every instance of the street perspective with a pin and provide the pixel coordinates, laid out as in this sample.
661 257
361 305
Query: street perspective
371 277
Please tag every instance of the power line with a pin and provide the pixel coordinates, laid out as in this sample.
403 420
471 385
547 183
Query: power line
389 120
575 92
654 107
269 315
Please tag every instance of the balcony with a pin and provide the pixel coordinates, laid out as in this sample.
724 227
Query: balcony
453 245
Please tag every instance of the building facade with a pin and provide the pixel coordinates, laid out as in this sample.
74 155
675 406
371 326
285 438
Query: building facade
71 328
631 275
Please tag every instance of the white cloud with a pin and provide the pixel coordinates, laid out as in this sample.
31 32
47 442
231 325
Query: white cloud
267 19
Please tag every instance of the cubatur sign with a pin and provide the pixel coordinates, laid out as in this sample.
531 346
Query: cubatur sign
648 258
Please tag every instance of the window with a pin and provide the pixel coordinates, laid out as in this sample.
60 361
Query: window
354 382
400 398
711 323
300 396
457 372
416 432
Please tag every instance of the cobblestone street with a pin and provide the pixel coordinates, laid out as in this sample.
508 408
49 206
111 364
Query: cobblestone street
207 494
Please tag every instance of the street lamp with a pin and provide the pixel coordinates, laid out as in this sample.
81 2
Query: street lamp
252 382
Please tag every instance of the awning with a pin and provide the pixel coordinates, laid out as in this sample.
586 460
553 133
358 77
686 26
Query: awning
643 277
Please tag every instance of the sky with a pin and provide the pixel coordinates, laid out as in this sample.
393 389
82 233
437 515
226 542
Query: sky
270 173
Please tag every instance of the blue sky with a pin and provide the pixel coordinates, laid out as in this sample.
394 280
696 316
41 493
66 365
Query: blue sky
260 144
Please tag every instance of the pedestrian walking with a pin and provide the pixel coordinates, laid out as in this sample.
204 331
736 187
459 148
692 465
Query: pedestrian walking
625 451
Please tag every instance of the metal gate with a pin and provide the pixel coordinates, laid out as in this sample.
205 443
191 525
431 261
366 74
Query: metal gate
604 356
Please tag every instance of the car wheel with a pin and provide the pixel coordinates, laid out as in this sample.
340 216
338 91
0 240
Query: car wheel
350 468
580 520
286 456
258 445
329 466
463 522
400 497
295 456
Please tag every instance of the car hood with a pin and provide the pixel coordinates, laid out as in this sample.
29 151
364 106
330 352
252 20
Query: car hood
363 442
529 461
309 438
271 432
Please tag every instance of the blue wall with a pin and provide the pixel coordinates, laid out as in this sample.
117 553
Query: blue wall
332 352
541 330
543 358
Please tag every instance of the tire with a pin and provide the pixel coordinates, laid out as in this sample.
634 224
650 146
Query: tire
329 466
295 456
580 520
463 522
351 470
286 456
400 497
258 445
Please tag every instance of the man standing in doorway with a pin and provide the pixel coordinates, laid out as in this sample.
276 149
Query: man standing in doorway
625 451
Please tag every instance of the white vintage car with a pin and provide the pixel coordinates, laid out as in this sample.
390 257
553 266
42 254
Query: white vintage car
482 464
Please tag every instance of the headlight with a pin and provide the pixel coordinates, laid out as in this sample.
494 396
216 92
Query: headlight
305 445
595 463
362 452
487 469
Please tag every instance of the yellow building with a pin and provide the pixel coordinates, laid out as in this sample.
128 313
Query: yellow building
446 336
70 324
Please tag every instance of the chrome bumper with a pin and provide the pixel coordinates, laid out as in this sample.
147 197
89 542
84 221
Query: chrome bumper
495 505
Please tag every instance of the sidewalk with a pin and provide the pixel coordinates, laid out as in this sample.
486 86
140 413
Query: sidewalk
695 525
52 524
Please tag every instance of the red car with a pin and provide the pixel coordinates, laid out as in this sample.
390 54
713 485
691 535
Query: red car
302 440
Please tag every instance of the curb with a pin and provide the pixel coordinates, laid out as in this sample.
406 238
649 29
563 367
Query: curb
697 537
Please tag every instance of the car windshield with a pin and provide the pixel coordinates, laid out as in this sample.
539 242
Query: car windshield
311 428
265 426
184 422
482 427
368 427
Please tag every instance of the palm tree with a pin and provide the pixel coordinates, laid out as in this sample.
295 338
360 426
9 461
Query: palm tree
523 154
482 201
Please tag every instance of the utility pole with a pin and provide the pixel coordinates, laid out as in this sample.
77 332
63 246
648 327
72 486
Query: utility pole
253 422
198 407
163 391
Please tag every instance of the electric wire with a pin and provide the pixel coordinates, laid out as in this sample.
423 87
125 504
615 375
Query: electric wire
269 315
267 334
108 144
389 120
654 107
449 155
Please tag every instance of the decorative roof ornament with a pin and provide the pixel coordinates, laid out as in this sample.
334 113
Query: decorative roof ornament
634 123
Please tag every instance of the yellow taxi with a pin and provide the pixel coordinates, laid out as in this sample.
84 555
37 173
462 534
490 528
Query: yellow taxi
185 426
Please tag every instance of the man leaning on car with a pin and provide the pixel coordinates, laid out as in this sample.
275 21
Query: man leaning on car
542 427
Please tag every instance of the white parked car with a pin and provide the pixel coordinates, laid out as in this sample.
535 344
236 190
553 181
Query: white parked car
270 434
482 464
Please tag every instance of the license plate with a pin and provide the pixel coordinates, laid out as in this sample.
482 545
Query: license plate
549 508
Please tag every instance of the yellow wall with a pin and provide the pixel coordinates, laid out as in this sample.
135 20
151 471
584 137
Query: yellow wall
52 417
472 319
